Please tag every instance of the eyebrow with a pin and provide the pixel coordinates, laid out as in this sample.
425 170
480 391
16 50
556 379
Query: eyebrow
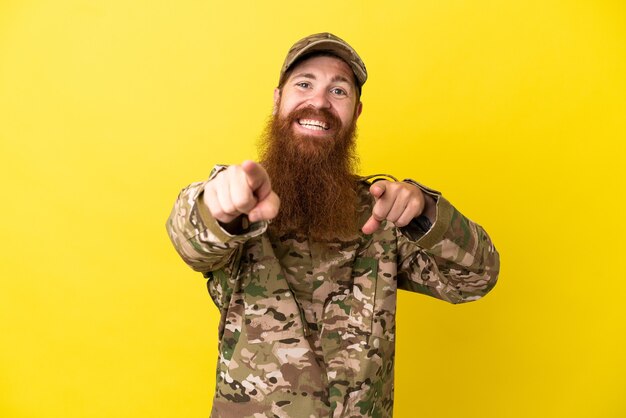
335 78
340 78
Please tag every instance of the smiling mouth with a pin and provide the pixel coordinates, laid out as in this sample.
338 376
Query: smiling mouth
314 125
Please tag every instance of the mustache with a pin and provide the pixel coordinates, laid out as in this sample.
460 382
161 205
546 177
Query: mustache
324 115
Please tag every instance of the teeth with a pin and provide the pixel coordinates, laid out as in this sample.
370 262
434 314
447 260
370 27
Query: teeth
315 125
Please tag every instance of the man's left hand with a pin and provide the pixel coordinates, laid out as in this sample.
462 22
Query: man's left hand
397 202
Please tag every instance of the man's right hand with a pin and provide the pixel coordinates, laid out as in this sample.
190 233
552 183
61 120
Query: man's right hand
241 189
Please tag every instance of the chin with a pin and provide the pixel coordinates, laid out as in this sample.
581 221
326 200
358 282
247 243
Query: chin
312 145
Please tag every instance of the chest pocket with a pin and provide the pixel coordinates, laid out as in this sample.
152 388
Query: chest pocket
373 299
367 306
363 300
270 311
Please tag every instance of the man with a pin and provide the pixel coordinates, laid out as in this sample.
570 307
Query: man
303 258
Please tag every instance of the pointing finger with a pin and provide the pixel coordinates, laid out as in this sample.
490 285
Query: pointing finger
371 226
379 210
257 178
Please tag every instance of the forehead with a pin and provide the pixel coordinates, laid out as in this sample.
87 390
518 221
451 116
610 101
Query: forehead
323 66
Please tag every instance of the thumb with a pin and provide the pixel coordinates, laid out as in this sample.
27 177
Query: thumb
266 209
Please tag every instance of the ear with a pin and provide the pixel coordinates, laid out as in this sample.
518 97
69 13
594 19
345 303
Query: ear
276 100
359 109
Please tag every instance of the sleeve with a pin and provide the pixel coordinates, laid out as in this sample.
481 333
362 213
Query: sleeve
454 260
197 236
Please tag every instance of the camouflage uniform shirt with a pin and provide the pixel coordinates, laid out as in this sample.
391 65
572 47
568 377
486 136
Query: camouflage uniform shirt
308 328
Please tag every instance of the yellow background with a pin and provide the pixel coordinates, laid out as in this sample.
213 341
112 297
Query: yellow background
516 110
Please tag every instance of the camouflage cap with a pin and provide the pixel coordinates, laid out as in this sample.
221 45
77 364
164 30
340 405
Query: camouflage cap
330 43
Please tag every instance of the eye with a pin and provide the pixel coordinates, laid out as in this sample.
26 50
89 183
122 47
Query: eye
339 92
304 84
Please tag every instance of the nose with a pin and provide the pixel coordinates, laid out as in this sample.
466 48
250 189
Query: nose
319 100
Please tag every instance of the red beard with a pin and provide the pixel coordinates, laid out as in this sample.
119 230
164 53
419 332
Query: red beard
313 176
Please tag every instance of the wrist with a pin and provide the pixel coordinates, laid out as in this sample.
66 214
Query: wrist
430 208
239 225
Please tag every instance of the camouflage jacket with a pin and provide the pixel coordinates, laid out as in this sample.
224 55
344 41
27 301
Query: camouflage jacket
307 328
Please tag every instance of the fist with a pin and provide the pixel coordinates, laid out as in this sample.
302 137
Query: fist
241 190
396 202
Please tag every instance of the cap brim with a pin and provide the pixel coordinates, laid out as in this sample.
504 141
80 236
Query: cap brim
335 47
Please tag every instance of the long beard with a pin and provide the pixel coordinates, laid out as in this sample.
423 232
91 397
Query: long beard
314 177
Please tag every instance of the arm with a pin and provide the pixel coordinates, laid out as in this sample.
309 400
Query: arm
441 253
207 224
198 237
454 260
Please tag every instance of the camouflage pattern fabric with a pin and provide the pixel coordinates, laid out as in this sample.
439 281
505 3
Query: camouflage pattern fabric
308 328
